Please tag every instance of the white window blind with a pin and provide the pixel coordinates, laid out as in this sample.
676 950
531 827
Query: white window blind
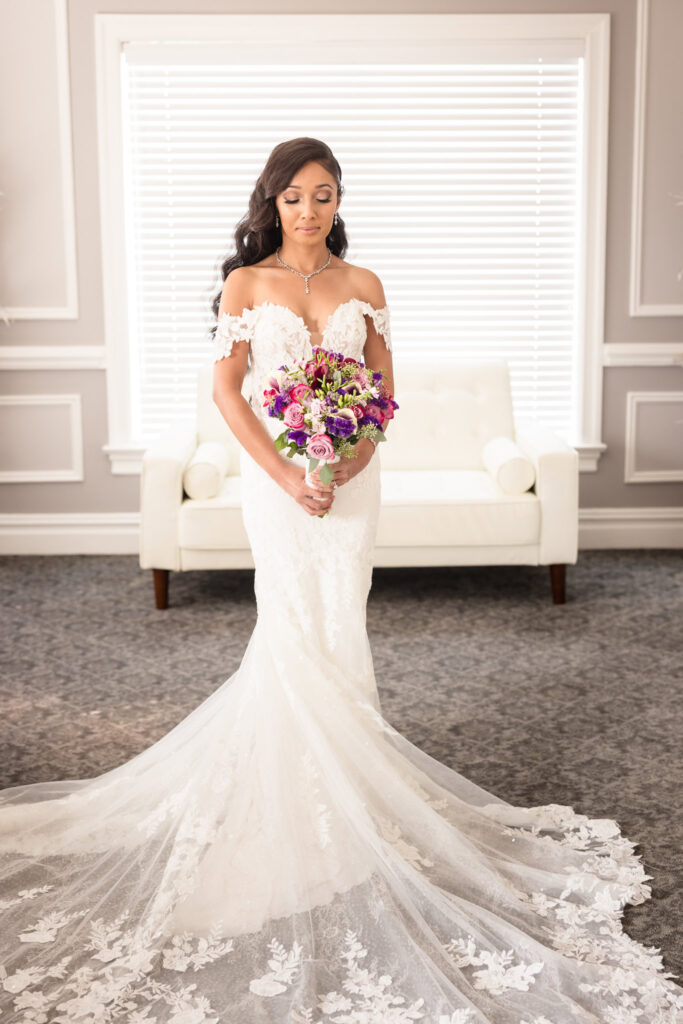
462 192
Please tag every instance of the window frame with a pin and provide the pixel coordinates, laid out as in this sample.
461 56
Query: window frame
288 38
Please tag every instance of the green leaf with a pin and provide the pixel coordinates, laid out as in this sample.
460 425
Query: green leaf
327 474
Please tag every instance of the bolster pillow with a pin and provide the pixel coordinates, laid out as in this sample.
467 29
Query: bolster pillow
508 465
206 470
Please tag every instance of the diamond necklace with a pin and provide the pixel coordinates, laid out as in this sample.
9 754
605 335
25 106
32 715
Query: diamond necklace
295 271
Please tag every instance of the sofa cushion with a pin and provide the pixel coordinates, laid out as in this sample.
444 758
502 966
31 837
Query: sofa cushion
508 465
453 506
419 507
214 523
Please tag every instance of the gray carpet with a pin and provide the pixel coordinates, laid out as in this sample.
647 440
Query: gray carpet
580 703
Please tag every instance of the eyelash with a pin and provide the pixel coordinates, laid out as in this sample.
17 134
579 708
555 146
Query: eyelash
290 201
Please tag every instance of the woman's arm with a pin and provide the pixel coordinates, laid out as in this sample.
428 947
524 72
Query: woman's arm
228 378
377 356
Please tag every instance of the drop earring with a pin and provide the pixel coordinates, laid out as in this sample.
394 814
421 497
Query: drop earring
336 217
277 221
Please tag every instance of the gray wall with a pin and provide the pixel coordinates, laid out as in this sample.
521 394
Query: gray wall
49 252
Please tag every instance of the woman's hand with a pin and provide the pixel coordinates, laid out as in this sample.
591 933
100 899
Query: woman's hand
307 495
346 469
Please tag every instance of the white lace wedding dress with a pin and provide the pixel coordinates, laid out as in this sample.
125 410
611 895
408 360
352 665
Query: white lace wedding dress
285 855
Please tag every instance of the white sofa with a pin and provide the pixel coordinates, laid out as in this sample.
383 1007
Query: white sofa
440 504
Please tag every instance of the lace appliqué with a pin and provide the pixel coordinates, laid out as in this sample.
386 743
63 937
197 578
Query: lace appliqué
366 995
380 319
230 329
346 331
284 965
497 971
589 928
118 975
319 811
392 834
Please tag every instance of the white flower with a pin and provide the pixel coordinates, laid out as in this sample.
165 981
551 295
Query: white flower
266 986
18 981
175 959
192 1015
333 1002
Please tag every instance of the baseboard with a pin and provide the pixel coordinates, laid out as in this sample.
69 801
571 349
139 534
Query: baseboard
69 533
116 533
631 527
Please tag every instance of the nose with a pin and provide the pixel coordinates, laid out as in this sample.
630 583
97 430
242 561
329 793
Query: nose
307 209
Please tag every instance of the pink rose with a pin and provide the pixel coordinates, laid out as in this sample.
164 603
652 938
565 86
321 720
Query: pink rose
374 410
301 392
320 447
294 415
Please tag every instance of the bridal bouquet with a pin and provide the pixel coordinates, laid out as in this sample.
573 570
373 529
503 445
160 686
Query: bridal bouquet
327 404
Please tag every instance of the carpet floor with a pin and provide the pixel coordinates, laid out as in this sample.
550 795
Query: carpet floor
578 704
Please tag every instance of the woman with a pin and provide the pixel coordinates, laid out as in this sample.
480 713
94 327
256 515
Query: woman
284 854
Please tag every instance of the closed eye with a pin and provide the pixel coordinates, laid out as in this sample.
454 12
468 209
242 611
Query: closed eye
290 201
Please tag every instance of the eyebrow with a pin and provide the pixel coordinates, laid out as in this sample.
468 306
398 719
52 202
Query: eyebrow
324 185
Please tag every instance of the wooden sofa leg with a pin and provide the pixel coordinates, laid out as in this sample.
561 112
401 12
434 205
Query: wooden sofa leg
557 582
161 587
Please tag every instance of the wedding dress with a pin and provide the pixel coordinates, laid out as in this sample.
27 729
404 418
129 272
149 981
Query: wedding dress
285 855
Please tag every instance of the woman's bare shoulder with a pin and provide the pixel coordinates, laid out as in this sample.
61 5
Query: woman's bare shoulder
368 286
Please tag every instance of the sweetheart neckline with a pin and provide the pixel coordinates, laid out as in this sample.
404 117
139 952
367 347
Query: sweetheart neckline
300 319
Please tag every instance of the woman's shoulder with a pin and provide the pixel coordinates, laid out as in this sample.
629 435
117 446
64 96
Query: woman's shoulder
236 293
368 286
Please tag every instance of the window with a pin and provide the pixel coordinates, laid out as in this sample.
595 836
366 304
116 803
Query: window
466 161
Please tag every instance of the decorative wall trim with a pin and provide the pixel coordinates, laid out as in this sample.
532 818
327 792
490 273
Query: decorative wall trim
116 533
52 357
62 88
69 533
636 306
634 399
652 527
72 472
125 460
643 353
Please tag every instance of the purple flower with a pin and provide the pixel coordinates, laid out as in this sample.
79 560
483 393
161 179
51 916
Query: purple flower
299 437
280 404
342 426
369 419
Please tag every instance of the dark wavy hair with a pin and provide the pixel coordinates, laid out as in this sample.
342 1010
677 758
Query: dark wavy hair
256 235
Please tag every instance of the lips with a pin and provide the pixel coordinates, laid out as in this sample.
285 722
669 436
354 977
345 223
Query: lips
308 231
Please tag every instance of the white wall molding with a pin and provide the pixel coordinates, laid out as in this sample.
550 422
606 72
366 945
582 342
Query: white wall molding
72 471
69 533
652 527
643 353
117 533
62 90
125 460
634 400
52 357
636 306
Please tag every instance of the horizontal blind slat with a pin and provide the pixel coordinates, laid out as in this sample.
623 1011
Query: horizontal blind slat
462 191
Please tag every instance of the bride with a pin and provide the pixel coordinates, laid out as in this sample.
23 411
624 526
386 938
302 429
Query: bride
284 854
